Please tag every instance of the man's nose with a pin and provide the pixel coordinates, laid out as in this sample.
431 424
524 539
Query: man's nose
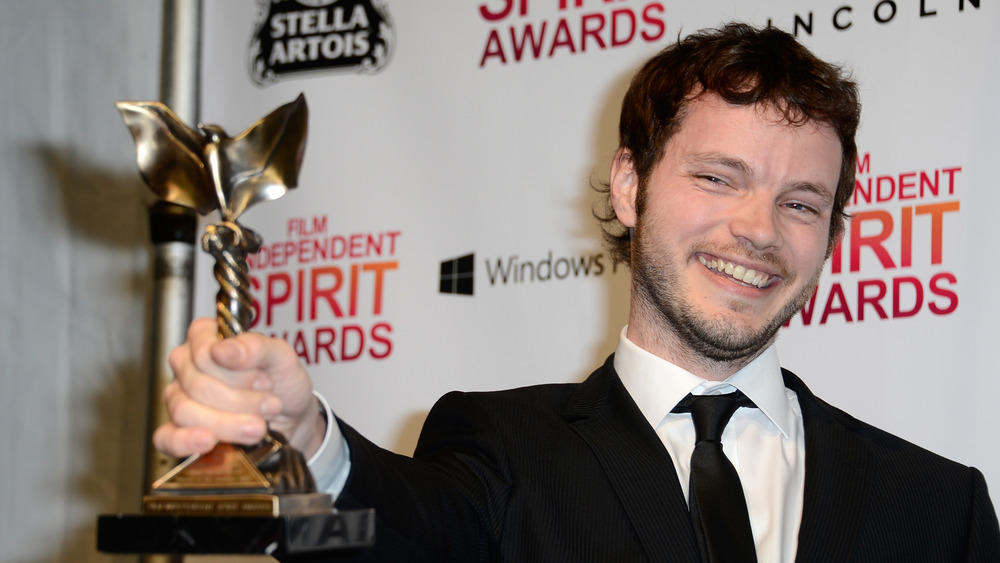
755 222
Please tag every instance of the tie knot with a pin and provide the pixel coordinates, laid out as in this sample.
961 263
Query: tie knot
711 413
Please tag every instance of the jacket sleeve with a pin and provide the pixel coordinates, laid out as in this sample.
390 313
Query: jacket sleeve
445 503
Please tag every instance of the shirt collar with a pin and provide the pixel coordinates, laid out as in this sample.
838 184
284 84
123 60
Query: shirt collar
657 385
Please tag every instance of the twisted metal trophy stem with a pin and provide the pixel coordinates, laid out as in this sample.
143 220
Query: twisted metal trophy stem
230 243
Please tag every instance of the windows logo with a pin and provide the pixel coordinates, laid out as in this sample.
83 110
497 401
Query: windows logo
457 275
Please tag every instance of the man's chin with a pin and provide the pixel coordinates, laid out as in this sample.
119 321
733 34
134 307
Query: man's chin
727 339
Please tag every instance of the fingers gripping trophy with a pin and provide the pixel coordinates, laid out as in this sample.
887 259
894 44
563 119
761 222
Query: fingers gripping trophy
207 170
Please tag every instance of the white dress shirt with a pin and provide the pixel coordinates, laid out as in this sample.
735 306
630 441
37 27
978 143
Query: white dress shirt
766 444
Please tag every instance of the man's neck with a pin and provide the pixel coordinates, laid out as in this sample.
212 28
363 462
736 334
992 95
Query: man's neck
666 344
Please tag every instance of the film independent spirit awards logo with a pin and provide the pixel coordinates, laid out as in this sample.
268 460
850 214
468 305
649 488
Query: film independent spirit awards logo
292 37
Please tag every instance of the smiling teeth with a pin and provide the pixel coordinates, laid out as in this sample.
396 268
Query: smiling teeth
739 273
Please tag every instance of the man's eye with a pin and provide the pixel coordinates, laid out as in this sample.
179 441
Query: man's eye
796 206
712 179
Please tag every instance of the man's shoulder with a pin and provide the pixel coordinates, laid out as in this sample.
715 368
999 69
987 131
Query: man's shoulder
821 417
935 507
545 396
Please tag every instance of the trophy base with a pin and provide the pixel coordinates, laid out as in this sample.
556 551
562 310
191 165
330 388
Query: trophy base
281 536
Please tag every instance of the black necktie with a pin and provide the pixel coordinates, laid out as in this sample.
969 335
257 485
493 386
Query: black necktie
718 507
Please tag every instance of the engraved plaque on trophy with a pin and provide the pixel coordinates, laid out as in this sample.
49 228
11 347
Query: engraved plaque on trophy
210 502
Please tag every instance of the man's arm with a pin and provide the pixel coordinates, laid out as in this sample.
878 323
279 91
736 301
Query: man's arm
231 390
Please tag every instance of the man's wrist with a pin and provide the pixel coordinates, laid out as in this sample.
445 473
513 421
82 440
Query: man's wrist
331 462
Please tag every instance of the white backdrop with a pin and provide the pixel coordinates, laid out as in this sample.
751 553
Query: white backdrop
466 140
74 272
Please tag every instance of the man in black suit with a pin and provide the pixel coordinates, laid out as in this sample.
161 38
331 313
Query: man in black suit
725 197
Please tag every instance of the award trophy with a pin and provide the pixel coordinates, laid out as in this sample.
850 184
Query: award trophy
234 499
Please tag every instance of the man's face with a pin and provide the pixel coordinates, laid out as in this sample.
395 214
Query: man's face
733 234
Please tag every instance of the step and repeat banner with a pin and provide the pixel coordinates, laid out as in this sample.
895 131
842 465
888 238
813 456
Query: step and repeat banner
442 234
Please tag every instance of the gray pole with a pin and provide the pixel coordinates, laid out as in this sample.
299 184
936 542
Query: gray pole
172 228
180 70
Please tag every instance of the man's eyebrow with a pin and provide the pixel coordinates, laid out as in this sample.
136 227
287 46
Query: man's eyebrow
720 159
820 189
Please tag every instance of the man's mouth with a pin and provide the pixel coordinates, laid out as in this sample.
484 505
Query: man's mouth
739 273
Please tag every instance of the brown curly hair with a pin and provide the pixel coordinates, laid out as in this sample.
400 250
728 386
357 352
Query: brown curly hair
744 66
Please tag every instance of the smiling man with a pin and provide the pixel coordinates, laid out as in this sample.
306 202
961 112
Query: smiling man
690 443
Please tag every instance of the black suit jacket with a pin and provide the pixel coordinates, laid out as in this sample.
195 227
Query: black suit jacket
573 472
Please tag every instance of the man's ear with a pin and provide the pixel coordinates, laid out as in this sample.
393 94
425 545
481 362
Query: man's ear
624 187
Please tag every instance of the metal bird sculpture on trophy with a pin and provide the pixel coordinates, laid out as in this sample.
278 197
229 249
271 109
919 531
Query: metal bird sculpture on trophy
207 170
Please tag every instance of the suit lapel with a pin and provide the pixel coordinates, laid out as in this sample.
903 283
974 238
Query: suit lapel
838 469
636 464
